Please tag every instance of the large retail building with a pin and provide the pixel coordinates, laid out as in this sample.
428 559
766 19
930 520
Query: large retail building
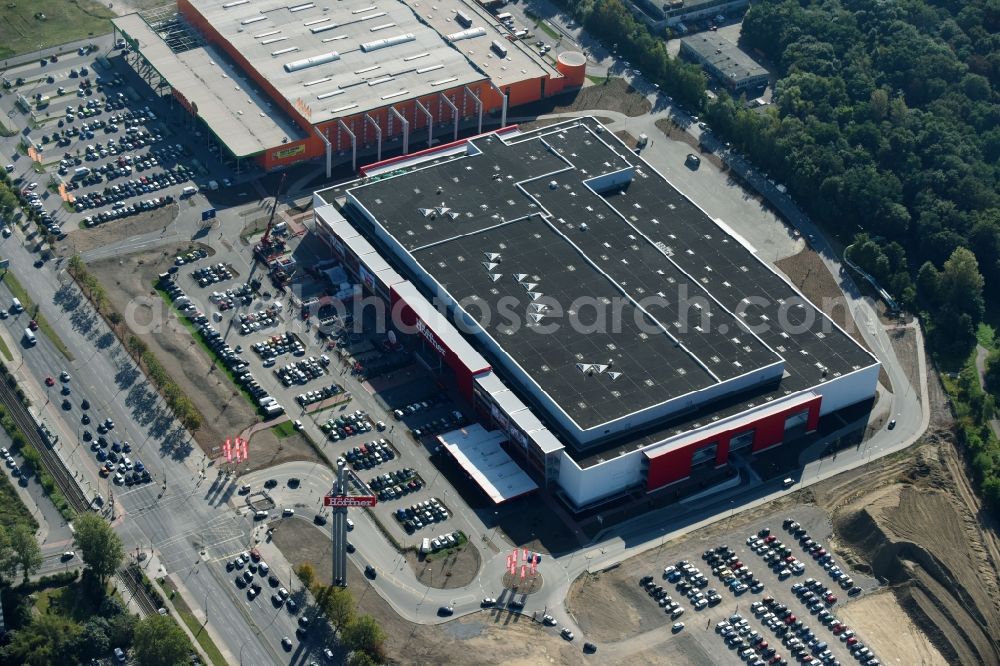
281 82
618 337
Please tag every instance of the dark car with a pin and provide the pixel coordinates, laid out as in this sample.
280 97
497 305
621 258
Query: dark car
446 611
270 483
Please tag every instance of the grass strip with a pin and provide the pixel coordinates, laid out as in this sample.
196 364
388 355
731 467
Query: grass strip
195 627
283 430
5 350
33 459
29 305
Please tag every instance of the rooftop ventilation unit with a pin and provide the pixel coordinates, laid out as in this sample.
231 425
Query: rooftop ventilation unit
306 63
255 19
235 3
299 8
466 34
368 47
323 28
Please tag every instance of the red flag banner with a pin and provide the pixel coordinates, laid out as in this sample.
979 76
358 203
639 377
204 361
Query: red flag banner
227 450
523 571
534 566
246 452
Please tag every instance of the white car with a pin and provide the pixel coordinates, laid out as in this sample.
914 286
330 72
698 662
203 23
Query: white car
677 626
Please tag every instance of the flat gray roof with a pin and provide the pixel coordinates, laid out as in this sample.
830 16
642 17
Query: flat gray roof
522 61
724 55
236 110
369 53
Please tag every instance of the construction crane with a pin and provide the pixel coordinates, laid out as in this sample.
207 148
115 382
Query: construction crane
268 248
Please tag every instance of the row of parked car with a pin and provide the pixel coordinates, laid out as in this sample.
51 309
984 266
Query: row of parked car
452 421
728 567
824 558
251 322
776 555
421 514
318 395
748 643
207 275
396 484
660 595
370 454
302 372
134 187
33 201
232 297
419 406
276 345
346 425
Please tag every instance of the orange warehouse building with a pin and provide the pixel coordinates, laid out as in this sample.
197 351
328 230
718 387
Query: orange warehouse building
280 82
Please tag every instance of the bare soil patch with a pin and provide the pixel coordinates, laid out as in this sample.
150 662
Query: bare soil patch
611 95
79 241
675 132
455 569
129 280
897 635
627 138
916 524
486 637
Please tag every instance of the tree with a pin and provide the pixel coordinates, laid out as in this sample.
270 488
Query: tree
307 574
160 642
365 635
8 563
94 640
100 548
361 659
337 604
45 641
962 284
121 630
26 551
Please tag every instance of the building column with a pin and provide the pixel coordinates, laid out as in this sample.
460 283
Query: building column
430 123
378 135
479 108
329 151
406 129
354 143
454 111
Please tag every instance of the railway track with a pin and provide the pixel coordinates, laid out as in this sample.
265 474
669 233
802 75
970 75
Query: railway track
67 485
133 583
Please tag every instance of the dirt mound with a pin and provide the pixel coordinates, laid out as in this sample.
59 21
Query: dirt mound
914 539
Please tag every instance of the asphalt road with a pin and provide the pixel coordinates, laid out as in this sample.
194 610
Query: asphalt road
185 522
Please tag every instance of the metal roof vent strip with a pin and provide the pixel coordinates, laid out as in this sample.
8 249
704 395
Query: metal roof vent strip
323 28
364 9
334 39
383 26
415 57
273 40
317 81
235 3
306 63
378 44
316 21
369 17
267 34
255 19
299 8
290 49
327 95
478 31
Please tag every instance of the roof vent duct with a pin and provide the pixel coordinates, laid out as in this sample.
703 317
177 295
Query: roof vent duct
306 63
368 47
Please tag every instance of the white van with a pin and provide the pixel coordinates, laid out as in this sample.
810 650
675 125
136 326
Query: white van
16 306
29 337
260 515
189 191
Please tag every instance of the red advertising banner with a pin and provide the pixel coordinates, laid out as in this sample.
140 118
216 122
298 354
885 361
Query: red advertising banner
351 500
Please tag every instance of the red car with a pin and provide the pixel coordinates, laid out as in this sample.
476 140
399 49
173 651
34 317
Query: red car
33 325
770 539
852 640
819 553
49 381
790 619
736 565
831 599
837 628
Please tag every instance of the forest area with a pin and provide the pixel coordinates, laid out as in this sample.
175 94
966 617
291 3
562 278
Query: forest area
885 128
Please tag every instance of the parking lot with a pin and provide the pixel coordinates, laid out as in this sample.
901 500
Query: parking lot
737 594
95 144
289 364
